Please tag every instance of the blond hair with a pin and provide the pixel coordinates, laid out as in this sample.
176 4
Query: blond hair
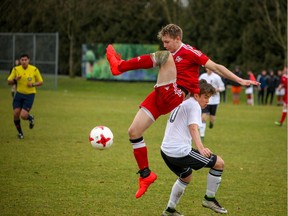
170 30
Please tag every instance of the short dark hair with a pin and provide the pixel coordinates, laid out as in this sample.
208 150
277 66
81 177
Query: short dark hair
24 55
206 88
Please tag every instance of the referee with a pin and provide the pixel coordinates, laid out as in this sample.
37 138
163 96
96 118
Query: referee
27 77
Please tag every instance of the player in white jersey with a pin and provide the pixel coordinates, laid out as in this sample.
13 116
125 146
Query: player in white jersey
211 109
181 158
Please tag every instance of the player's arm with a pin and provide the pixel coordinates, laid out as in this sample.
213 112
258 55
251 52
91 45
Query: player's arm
221 86
193 128
12 79
38 78
224 72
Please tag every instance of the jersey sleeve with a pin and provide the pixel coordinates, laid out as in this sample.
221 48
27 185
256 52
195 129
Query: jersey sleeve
38 76
12 74
194 114
198 57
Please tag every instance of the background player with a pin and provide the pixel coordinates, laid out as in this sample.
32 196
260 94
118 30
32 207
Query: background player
283 84
27 77
211 109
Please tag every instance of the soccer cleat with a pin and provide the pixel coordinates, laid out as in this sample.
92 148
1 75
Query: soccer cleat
213 205
20 136
167 213
144 183
114 60
31 122
278 124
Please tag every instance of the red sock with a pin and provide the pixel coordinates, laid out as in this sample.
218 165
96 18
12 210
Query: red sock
141 157
140 62
284 114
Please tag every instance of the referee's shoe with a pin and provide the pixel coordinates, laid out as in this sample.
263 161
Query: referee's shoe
31 122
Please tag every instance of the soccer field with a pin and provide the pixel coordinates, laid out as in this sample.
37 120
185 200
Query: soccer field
55 171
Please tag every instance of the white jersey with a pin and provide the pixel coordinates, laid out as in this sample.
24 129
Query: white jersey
216 81
177 141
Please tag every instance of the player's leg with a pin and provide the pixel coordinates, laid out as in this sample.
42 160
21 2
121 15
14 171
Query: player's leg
139 125
184 174
284 114
17 104
17 122
26 116
27 106
119 66
212 111
213 182
163 59
176 193
204 117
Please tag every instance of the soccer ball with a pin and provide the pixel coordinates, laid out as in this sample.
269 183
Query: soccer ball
101 137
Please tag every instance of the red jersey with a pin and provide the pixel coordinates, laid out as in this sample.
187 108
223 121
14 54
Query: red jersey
188 61
284 81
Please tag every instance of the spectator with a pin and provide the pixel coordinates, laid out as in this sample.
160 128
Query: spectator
279 91
249 90
263 86
236 87
272 83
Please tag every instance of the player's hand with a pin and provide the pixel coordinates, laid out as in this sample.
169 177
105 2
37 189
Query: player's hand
249 83
205 152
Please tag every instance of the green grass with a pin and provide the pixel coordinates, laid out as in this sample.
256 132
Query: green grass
55 171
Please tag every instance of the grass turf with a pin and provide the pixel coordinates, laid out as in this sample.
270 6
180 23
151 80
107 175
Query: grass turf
55 171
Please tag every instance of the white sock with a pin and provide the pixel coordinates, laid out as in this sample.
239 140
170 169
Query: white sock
176 193
213 182
202 129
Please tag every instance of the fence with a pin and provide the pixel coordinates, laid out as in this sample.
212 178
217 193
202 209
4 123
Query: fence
42 49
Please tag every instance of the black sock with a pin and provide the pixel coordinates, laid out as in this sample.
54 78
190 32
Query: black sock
18 126
145 172
30 118
170 210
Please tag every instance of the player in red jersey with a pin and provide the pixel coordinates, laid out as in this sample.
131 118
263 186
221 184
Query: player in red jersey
169 92
283 84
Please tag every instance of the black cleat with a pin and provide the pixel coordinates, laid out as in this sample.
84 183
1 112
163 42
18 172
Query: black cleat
31 122
20 136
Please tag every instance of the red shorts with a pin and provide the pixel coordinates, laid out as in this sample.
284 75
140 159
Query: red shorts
163 100
236 89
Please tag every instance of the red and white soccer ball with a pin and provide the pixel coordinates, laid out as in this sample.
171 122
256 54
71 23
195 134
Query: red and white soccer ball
101 137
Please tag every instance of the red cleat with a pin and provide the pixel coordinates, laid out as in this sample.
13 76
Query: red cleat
144 183
114 60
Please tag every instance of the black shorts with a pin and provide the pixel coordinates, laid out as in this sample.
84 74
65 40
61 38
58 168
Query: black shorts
183 166
211 109
23 101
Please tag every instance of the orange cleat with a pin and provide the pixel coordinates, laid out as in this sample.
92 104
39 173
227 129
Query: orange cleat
114 60
144 183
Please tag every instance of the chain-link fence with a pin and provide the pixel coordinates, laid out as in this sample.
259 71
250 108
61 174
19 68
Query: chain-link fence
42 49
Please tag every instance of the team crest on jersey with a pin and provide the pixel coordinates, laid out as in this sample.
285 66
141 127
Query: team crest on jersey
29 78
178 59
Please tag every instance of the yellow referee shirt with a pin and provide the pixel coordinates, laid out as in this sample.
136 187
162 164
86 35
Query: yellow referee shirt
29 75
